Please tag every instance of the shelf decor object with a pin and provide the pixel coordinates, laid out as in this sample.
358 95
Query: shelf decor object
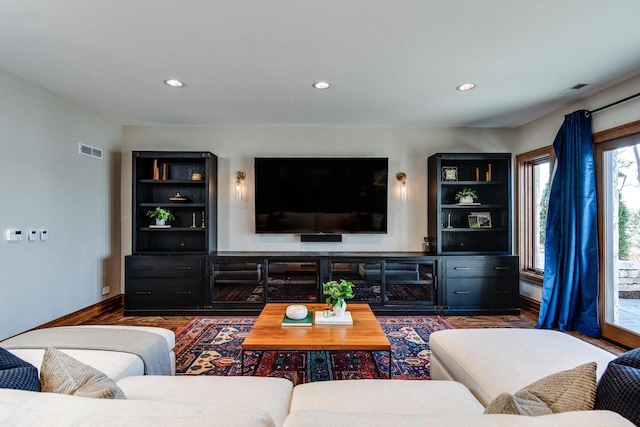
449 173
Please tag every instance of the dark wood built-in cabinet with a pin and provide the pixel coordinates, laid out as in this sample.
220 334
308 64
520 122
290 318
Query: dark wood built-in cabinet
479 272
177 270
450 228
166 179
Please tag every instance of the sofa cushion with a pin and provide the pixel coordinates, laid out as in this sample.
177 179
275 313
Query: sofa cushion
571 390
271 395
26 408
16 373
63 374
483 359
345 419
391 396
619 387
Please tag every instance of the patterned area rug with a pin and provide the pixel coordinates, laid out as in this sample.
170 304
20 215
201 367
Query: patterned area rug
211 346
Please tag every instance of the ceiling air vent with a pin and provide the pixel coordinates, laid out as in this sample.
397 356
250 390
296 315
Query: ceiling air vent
90 151
574 88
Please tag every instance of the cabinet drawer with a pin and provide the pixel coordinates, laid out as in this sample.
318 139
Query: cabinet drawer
478 267
158 293
164 267
482 292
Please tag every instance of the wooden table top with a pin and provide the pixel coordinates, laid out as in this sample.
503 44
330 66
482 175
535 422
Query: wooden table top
365 333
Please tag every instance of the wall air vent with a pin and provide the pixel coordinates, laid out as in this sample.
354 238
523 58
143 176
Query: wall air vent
90 151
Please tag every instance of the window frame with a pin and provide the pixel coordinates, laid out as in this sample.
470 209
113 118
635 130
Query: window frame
603 141
525 164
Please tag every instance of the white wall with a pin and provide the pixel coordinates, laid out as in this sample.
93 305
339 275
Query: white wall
542 132
407 150
47 184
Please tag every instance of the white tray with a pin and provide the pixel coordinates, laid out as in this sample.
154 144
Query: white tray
332 319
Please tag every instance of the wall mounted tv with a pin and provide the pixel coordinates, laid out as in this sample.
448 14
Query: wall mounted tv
321 195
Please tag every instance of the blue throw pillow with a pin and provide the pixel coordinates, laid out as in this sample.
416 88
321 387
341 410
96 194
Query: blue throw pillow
16 373
619 388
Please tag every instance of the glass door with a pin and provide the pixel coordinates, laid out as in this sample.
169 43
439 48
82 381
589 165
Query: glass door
618 163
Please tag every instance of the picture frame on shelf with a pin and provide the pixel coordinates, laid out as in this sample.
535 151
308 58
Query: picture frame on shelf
483 218
449 173
473 221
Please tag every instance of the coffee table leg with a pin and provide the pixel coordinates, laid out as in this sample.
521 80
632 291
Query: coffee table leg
389 364
241 362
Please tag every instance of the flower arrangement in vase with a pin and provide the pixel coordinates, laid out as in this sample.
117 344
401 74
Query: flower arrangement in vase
338 291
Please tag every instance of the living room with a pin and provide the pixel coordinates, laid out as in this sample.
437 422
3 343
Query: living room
67 218
91 198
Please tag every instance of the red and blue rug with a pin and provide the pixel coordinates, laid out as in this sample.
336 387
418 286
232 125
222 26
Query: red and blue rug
211 346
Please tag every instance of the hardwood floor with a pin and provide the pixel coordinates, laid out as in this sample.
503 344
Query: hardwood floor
527 319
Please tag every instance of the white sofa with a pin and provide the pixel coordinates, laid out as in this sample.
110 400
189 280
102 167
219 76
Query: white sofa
258 401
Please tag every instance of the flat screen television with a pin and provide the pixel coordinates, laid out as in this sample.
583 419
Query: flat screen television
321 195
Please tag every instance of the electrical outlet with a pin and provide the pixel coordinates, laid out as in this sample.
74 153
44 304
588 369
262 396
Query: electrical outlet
106 290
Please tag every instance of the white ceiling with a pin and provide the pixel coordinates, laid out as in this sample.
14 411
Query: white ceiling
252 62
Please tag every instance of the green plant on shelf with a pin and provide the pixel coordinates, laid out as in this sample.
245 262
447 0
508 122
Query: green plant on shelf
161 214
466 194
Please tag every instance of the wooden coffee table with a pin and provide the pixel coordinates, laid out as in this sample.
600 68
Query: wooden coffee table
365 334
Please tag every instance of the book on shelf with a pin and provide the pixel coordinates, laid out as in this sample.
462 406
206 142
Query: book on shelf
307 321
345 319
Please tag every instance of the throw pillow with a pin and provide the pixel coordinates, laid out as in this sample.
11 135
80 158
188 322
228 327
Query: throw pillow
16 373
619 387
572 390
61 373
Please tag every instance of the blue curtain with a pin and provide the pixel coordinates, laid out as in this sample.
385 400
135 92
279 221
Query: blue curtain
570 287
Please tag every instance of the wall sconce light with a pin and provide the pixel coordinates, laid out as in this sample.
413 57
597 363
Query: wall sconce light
402 177
240 176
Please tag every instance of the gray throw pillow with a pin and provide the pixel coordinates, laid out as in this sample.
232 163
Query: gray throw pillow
61 373
572 390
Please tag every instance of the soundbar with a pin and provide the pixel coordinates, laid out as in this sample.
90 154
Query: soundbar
321 237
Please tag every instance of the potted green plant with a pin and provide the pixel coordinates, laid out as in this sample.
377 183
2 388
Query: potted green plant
466 195
338 291
161 215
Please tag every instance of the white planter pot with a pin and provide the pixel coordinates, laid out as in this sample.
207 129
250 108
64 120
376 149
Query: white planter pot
468 199
339 310
160 221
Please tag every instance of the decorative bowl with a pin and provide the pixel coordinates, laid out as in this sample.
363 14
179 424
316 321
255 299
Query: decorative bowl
296 312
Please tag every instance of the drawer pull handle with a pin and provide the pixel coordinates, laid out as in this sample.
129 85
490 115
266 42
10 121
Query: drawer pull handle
145 267
183 292
144 293
462 292
500 292
461 268
184 268
501 268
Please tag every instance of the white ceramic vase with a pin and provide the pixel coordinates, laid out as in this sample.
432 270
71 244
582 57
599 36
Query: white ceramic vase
338 309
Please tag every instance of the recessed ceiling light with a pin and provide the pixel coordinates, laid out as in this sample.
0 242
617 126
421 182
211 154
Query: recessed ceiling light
465 86
321 85
173 83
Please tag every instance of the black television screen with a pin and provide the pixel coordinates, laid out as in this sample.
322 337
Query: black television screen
321 195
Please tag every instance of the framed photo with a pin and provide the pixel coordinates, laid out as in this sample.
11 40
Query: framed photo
473 221
484 219
449 173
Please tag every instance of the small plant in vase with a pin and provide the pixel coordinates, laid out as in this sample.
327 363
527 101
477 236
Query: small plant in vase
466 195
161 215
338 291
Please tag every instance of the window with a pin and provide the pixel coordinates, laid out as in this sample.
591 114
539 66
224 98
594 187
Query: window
617 157
534 174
